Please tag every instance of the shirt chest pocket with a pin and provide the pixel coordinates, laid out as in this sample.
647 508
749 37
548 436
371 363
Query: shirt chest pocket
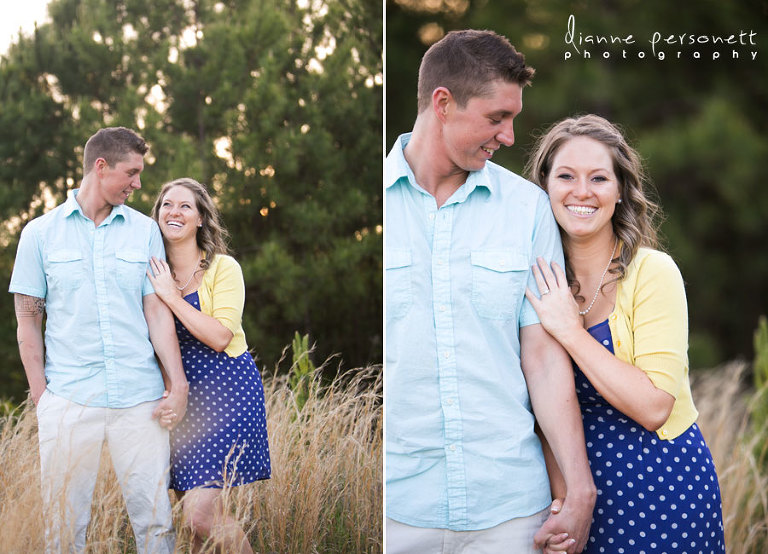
399 291
499 278
130 268
65 270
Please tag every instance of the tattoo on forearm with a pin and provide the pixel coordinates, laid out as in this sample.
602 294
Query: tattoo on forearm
28 306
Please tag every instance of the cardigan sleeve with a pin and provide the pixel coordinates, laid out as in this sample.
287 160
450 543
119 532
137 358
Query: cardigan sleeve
228 294
660 323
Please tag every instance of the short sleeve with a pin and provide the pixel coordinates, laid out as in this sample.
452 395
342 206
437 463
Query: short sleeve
228 294
28 275
156 249
546 244
660 323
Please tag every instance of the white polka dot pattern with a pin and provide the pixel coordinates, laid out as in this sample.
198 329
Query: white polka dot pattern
653 496
223 437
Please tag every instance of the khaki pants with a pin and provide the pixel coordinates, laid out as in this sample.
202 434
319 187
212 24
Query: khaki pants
71 437
515 535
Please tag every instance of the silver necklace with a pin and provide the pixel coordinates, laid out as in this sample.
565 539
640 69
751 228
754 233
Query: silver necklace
193 274
585 312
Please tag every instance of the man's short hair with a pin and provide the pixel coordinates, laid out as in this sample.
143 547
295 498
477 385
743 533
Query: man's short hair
114 144
466 63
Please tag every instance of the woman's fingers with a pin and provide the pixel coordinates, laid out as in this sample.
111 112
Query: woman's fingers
546 271
559 274
559 543
541 281
158 266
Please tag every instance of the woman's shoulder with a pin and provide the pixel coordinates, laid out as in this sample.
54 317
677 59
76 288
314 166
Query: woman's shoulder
223 268
224 261
652 258
651 264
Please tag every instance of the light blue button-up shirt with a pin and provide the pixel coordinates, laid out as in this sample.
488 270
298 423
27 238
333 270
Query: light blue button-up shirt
461 452
93 279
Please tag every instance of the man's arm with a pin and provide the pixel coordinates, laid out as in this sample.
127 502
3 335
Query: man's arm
162 334
29 335
549 378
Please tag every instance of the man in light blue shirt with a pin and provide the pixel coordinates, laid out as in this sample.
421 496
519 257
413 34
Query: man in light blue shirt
94 377
467 361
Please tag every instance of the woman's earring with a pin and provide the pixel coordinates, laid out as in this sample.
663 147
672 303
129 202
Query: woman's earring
618 201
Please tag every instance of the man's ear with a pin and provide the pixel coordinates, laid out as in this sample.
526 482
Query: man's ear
442 100
100 165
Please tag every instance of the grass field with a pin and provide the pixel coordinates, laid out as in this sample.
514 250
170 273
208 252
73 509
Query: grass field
324 495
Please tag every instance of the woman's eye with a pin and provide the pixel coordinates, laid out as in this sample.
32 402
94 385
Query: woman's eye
599 178
564 176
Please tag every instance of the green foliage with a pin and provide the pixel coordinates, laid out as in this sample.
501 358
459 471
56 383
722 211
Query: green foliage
7 408
759 404
276 106
302 375
699 124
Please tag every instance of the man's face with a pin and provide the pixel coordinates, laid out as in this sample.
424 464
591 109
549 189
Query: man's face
473 133
118 182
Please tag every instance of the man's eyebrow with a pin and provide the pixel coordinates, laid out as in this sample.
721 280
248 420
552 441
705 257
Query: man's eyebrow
502 113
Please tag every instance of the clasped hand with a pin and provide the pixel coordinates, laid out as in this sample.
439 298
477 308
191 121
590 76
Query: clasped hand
551 541
171 409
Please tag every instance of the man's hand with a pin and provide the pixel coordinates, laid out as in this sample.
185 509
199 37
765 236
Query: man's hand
36 395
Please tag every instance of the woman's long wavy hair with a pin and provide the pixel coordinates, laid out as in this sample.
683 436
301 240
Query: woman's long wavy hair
635 219
211 235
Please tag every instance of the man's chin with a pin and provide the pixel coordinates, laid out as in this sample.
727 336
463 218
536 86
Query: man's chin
476 166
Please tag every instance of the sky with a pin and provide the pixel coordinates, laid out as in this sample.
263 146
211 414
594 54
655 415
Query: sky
15 15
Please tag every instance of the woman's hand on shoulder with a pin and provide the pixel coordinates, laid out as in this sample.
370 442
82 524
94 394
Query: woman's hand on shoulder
556 307
160 276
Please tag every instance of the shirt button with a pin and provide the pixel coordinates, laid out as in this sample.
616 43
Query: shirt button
618 343
613 317
449 401
446 355
431 217
664 433
453 448
442 307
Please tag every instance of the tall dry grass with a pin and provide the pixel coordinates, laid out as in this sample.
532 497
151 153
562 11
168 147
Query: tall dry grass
325 493
739 452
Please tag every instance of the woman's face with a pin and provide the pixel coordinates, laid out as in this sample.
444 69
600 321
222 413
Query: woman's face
178 216
583 188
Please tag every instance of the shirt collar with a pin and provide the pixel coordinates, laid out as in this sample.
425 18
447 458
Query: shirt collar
397 167
71 206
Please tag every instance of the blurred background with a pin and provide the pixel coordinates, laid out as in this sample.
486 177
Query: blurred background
276 106
699 118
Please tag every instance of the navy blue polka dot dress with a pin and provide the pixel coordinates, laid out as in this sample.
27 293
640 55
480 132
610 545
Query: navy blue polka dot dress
223 437
653 496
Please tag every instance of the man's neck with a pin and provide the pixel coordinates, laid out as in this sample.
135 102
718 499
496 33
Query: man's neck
430 163
95 209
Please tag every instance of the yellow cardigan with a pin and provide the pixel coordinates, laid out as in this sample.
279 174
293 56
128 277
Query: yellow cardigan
649 326
222 295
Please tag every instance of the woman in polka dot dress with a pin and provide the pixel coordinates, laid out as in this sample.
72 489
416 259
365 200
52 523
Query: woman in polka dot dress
619 309
222 440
